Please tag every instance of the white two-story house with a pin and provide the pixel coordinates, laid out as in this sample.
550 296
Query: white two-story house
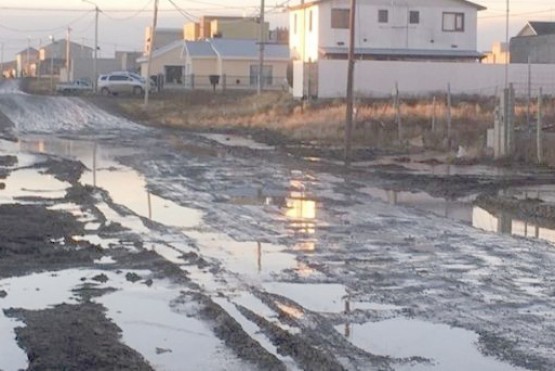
439 30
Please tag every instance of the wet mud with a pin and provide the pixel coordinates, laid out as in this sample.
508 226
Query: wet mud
74 337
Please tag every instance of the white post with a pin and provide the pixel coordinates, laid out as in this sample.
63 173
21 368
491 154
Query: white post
539 128
95 62
507 42
68 53
449 116
1 60
152 40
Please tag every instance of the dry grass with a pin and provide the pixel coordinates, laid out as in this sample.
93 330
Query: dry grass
43 86
323 121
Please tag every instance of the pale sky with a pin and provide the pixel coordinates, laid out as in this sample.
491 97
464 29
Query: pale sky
124 30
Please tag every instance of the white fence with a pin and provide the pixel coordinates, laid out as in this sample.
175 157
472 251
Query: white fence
378 78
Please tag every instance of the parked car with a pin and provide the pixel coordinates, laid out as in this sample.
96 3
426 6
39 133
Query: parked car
121 83
75 87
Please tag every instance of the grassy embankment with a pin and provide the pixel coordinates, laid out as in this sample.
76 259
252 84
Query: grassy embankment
281 118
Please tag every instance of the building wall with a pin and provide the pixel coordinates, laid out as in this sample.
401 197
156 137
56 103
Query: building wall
499 54
239 29
191 31
163 37
171 58
83 68
540 49
378 78
397 33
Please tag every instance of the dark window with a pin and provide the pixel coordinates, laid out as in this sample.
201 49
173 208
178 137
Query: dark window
414 17
310 21
267 73
119 78
383 16
453 22
340 18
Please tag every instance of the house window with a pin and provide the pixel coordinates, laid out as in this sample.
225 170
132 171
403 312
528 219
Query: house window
340 18
453 22
414 17
267 71
295 24
383 16
310 21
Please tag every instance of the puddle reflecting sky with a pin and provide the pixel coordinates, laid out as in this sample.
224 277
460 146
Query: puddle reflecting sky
449 348
126 186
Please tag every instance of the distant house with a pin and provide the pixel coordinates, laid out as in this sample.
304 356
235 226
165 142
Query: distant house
9 69
162 37
235 62
534 43
25 62
53 56
499 54
209 27
439 30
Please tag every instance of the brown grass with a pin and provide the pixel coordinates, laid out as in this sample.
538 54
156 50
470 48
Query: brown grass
322 122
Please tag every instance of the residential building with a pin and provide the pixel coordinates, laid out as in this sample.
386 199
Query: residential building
26 61
52 57
225 27
499 54
535 43
9 69
233 62
162 37
440 30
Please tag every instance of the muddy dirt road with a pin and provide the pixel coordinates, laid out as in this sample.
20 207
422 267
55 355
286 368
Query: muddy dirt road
126 247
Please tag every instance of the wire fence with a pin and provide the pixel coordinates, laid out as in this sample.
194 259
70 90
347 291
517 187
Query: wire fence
227 82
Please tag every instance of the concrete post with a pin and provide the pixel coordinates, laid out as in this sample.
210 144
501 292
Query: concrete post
504 124
539 129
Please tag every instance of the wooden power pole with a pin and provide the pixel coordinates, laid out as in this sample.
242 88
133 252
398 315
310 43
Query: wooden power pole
150 51
350 85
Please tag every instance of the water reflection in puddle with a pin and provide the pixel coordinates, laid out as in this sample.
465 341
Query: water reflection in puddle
31 183
125 186
448 348
456 209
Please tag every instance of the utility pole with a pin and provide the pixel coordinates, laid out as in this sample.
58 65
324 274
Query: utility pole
68 53
95 61
52 62
152 40
28 68
39 61
1 60
350 85
262 44
507 43
95 66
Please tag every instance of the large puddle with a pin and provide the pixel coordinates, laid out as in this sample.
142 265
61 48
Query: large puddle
447 348
136 308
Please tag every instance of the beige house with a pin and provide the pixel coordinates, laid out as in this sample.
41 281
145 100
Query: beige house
499 54
233 63
26 62
162 37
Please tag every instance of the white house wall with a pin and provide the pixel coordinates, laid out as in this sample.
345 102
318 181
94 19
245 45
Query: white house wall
398 33
378 78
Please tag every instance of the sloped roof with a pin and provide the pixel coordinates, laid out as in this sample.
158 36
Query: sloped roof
248 49
536 28
201 48
420 53
30 50
224 48
315 2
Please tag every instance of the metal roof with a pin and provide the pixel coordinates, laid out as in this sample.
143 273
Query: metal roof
248 49
316 2
199 49
543 28
419 53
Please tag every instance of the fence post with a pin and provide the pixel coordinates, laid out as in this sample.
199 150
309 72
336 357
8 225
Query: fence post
434 112
449 116
224 82
539 128
398 113
193 81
